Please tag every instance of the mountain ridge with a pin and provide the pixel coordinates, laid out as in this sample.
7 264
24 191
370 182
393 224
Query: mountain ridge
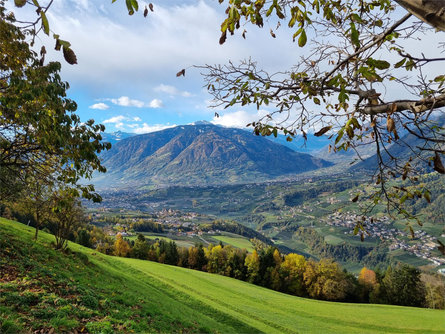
201 154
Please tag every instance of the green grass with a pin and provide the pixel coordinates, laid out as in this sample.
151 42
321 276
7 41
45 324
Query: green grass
180 242
84 290
237 242
333 240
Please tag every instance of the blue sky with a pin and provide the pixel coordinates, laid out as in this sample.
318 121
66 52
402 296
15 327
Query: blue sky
126 72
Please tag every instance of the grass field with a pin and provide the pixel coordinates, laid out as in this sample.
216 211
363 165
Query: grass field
85 290
237 242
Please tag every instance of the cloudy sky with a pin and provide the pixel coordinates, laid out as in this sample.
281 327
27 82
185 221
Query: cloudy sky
126 72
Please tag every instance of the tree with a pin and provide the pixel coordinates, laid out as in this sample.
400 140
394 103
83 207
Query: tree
37 200
67 214
252 264
121 247
368 281
141 248
84 238
403 286
41 137
293 268
357 81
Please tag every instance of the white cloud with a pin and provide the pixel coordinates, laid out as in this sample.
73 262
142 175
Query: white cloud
137 119
125 101
99 106
237 119
156 103
115 120
146 128
171 90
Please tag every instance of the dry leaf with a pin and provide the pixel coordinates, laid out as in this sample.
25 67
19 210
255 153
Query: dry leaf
69 56
181 72
223 37
322 131
390 125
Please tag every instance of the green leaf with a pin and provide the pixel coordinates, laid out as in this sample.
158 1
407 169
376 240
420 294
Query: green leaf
339 136
355 36
19 3
302 39
135 5
355 17
379 64
400 63
45 24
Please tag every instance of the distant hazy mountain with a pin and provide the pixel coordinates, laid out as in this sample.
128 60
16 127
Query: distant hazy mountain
312 145
115 137
200 154
402 149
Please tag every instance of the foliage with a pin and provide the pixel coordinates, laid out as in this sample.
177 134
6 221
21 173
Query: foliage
41 137
354 52
121 247
402 286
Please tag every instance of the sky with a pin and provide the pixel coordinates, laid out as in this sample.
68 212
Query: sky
126 72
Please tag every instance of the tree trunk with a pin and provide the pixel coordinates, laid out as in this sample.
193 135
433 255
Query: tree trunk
429 11
37 226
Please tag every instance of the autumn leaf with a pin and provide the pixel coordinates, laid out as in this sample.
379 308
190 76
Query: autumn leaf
69 56
390 125
272 33
322 131
145 11
223 37
150 5
181 72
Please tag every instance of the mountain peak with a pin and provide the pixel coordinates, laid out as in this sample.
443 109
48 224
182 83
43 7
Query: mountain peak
203 122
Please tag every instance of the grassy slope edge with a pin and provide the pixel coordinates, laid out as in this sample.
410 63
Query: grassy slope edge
85 290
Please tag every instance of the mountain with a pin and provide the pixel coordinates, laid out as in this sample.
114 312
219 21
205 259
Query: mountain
298 144
403 149
200 154
115 137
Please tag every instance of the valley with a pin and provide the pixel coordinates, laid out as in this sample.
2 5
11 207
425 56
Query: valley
312 215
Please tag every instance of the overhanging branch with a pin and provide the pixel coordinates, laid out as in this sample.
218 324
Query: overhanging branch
418 106
429 11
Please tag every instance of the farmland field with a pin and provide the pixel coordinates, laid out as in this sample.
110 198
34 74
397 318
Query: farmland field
237 242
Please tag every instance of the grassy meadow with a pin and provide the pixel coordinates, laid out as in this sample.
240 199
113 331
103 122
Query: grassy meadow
84 290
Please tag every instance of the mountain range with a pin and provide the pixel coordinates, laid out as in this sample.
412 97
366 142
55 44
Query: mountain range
200 154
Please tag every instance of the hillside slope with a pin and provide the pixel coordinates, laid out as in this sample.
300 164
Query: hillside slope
199 155
85 290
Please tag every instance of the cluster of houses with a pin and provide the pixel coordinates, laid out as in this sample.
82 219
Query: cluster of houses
174 222
381 228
